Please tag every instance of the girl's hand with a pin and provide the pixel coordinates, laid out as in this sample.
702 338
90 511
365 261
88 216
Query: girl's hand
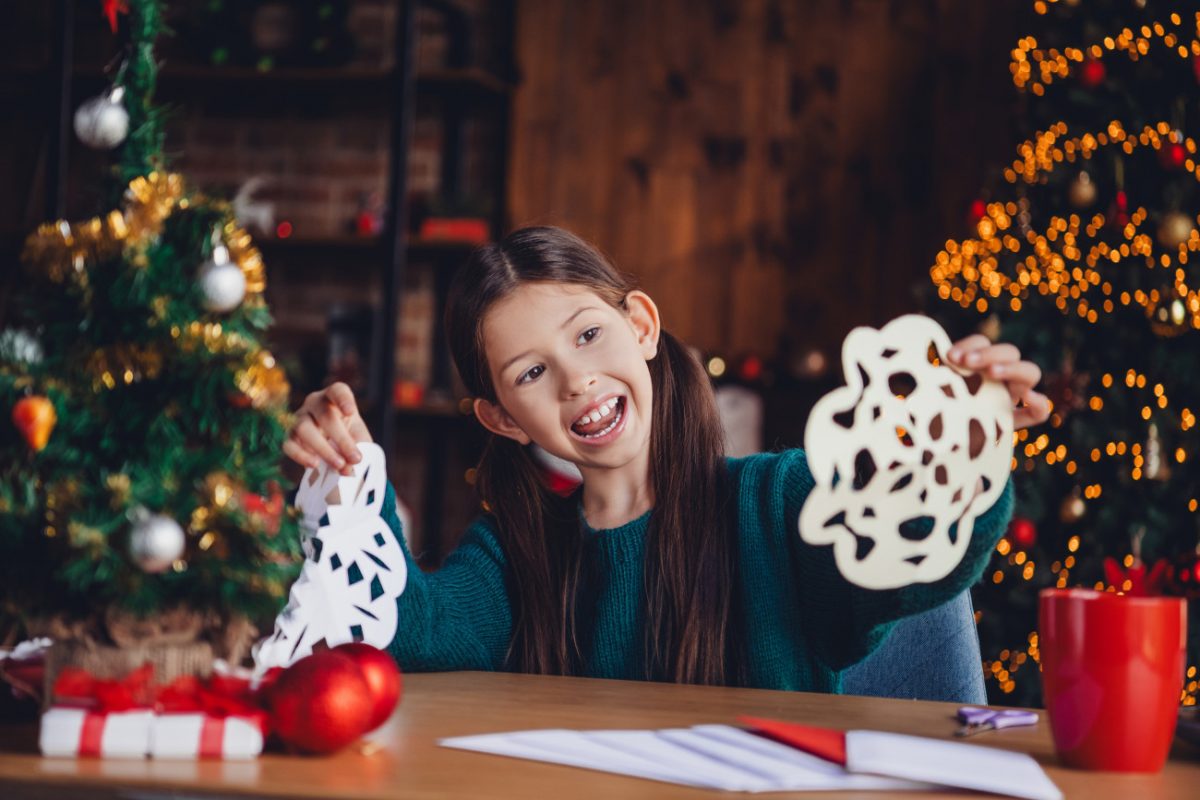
327 428
1003 362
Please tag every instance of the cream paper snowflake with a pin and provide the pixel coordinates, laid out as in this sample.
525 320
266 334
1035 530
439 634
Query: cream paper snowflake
353 571
905 457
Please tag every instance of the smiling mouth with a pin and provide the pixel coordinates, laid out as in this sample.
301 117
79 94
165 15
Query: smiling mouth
601 421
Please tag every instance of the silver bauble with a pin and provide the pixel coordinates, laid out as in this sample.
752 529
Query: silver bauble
156 542
222 282
1082 193
102 122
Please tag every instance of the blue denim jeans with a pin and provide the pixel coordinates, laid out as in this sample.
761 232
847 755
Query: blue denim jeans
930 656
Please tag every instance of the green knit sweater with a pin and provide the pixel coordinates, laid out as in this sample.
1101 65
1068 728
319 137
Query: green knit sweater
802 621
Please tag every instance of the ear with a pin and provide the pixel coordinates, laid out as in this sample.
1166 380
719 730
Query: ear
496 419
643 316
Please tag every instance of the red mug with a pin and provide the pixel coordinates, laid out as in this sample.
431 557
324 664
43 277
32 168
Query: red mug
1112 673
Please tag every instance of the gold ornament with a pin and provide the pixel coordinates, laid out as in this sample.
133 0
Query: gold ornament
1072 509
1175 229
1082 192
263 382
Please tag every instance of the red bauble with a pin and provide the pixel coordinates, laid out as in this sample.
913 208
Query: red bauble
1092 74
978 211
1172 155
1022 532
321 703
382 675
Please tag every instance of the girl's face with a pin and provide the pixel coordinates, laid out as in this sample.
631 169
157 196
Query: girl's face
570 373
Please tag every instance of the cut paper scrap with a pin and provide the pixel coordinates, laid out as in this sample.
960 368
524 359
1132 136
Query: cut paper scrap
905 457
353 571
917 758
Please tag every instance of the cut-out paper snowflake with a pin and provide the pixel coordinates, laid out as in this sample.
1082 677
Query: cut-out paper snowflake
905 457
353 571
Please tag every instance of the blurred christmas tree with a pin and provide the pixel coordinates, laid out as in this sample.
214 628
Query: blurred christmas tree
140 492
1086 258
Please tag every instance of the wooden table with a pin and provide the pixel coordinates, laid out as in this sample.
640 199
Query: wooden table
410 764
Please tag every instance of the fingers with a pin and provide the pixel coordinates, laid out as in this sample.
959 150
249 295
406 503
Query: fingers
333 426
962 347
1035 411
342 398
312 435
986 355
358 429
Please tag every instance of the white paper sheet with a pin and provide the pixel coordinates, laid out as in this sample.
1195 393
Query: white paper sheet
967 766
731 759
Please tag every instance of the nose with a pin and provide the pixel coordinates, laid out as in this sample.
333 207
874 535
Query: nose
577 381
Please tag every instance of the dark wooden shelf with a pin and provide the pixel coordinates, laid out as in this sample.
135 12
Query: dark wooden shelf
297 85
364 249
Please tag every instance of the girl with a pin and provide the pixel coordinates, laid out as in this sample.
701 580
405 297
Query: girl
671 562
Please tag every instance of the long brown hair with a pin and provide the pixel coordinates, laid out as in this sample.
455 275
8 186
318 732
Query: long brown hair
691 595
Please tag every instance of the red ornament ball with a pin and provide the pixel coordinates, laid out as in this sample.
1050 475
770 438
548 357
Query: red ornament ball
382 675
978 210
1092 74
1022 532
321 703
1172 155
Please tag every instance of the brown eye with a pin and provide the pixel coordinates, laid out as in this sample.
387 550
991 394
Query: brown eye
533 373
589 335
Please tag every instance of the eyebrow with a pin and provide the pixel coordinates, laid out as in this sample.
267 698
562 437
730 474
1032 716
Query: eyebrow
568 321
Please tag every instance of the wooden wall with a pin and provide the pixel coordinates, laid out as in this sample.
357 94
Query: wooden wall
774 171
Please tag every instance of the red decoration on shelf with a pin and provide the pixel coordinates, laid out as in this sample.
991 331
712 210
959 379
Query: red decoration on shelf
459 229
1022 532
284 229
111 8
1141 583
978 211
1172 155
321 703
34 417
383 679
1093 72
751 368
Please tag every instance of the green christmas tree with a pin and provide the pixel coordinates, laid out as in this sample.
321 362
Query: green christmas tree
1085 256
141 484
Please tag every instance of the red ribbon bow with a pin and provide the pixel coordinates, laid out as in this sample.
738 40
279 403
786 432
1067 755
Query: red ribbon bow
78 687
221 696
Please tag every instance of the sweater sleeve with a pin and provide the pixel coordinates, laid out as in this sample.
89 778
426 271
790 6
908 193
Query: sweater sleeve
845 622
458 617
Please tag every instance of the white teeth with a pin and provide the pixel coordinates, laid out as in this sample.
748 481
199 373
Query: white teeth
598 413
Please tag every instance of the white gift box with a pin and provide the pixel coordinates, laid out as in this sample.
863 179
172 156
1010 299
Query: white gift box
197 735
69 731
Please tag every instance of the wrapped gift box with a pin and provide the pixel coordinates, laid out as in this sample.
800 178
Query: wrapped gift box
201 735
68 731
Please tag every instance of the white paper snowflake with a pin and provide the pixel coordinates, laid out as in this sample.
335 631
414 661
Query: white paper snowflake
353 571
905 457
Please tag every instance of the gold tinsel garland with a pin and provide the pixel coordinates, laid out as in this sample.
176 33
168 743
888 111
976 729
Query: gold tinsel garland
62 250
263 382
